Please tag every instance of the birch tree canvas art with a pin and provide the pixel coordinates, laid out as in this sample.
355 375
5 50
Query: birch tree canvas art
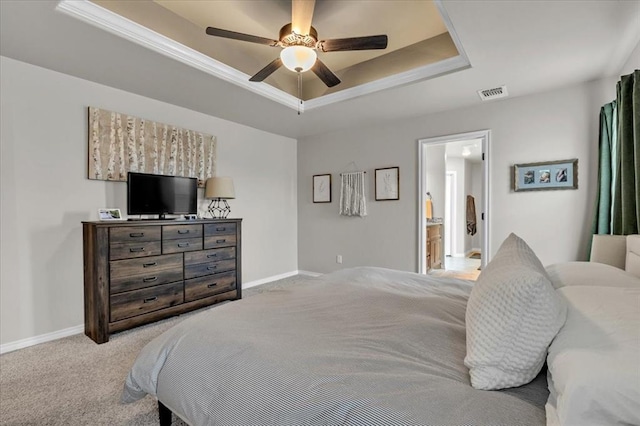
120 143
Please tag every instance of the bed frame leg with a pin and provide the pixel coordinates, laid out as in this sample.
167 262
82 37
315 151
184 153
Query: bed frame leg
164 414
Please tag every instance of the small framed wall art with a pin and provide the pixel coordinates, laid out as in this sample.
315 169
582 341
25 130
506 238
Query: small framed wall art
109 214
322 188
561 174
387 182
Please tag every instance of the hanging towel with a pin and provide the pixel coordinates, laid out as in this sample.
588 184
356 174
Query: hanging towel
429 209
471 215
352 200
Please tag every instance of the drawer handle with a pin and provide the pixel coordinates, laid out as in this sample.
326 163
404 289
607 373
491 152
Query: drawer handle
220 229
220 241
183 244
136 234
209 256
136 249
212 285
183 231
150 299
150 279
212 268
146 265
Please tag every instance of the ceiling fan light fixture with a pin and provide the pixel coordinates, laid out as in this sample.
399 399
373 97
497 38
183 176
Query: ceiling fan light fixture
298 58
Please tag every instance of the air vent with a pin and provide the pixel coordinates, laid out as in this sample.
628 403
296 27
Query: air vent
495 93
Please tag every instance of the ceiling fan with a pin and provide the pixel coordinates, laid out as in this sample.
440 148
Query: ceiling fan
299 42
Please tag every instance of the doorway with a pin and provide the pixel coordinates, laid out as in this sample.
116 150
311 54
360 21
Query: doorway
454 182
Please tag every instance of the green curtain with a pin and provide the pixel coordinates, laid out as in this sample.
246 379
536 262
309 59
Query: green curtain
626 194
608 133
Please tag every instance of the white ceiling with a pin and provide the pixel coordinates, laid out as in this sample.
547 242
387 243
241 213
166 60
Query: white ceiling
265 18
529 46
470 150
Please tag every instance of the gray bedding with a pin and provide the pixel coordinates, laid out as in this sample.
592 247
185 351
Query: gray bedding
362 346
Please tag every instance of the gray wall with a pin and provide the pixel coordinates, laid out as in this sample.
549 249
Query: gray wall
556 125
46 194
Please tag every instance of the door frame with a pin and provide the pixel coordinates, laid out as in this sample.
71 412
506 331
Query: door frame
485 138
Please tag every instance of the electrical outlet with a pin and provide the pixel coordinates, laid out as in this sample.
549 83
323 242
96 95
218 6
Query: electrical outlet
339 258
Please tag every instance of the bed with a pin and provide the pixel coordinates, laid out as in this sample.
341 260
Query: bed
369 346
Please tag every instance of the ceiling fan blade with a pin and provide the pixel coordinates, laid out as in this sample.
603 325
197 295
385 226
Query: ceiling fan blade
354 43
217 32
267 71
301 15
325 74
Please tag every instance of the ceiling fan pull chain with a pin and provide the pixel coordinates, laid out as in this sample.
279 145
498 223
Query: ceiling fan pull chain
299 91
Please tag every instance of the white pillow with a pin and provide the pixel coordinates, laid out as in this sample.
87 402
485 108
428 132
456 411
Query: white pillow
512 315
594 364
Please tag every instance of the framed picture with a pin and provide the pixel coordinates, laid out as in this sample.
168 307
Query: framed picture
322 188
109 214
387 182
562 174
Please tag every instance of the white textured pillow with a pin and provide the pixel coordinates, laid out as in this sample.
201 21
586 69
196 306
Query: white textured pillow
594 364
512 315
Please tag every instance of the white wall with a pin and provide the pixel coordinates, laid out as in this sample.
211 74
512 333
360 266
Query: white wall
46 194
456 165
556 125
476 192
633 63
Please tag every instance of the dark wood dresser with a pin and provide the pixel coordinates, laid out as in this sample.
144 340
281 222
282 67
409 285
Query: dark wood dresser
137 272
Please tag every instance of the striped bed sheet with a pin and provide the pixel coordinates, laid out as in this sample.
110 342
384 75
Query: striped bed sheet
361 346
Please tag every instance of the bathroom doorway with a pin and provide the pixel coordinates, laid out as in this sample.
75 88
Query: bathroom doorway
453 216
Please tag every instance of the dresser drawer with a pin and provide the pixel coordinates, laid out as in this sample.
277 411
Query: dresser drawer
132 274
134 249
181 232
219 241
200 269
222 228
197 288
133 234
138 302
179 246
210 255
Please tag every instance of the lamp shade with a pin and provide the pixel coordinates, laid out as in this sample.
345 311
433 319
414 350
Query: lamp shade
298 58
219 187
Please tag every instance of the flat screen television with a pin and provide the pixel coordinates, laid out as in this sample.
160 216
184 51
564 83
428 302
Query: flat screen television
160 195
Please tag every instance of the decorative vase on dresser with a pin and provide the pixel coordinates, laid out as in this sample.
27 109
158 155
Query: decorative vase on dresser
137 272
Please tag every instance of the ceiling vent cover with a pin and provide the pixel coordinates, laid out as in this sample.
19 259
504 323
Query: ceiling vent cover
495 93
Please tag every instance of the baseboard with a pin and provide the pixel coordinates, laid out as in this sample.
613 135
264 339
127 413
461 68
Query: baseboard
309 273
246 285
30 341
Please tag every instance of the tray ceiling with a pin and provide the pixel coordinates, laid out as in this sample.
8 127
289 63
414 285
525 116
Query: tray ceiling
421 45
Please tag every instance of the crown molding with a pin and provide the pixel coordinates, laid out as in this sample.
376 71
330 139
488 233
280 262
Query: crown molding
113 23
104 19
456 63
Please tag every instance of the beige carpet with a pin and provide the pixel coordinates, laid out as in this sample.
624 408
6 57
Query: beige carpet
73 381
